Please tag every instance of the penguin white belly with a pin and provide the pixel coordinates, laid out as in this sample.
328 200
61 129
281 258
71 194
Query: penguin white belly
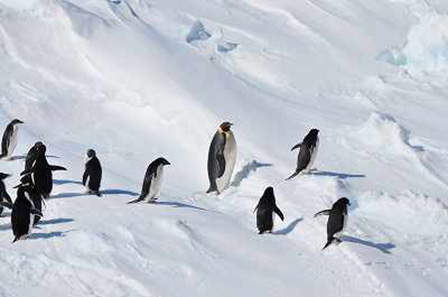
230 152
30 227
13 141
313 156
156 185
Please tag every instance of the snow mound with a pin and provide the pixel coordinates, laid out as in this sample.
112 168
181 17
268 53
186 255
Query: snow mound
426 47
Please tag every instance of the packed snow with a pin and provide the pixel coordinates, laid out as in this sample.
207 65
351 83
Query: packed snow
141 79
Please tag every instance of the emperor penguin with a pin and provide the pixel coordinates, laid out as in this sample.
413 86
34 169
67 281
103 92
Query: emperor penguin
221 158
337 220
265 211
307 153
91 178
40 174
152 183
31 156
10 138
23 213
5 199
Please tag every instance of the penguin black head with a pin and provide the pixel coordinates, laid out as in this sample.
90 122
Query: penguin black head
314 132
269 192
161 161
40 148
343 201
225 127
91 153
38 143
16 121
4 175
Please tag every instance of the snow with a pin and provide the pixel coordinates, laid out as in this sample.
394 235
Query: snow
139 79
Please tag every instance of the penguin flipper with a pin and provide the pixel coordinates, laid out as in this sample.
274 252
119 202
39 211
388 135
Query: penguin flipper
279 213
296 146
36 212
56 168
293 175
325 212
6 204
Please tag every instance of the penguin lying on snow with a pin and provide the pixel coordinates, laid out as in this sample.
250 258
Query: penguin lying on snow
221 158
23 213
40 174
152 183
307 153
91 178
337 220
5 200
10 138
265 211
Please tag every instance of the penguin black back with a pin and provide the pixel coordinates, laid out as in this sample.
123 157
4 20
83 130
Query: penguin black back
23 212
92 173
5 199
265 209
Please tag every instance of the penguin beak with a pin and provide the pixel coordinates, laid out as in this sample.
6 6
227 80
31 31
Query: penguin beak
20 122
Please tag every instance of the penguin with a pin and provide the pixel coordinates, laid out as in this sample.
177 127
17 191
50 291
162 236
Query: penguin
265 210
23 213
307 153
31 156
221 158
337 220
91 178
5 199
40 174
152 183
10 139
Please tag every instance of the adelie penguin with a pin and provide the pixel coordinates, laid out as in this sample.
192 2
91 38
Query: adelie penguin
10 138
23 213
337 220
91 178
265 211
31 156
152 183
40 174
307 153
5 200
221 158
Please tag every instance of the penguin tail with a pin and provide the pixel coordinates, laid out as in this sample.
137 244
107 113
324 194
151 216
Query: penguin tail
135 201
15 239
329 242
293 175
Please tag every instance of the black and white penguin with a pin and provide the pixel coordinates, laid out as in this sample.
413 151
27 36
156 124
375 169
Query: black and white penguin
152 183
5 199
40 174
265 211
91 178
307 153
337 220
31 156
10 138
221 158
23 213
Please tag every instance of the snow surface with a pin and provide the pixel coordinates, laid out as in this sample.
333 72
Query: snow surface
139 79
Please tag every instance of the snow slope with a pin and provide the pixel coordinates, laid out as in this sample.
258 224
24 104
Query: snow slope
138 79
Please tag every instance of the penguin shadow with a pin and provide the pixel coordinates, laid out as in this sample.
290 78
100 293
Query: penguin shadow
179 205
288 229
68 195
118 192
336 174
49 235
245 172
15 158
55 221
66 181
383 247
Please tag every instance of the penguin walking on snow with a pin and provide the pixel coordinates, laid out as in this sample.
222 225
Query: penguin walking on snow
5 199
221 158
40 174
307 153
265 211
337 220
152 183
23 213
10 138
91 178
